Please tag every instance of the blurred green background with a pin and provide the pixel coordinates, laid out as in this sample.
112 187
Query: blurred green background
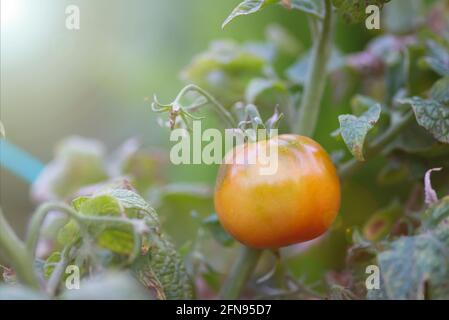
94 81
98 83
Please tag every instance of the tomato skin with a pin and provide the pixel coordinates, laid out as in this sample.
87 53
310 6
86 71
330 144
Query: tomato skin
296 204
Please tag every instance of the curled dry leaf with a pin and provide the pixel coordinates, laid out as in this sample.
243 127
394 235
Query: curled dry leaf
429 192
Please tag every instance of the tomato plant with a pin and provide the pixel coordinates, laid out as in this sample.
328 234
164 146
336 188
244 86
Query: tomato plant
361 180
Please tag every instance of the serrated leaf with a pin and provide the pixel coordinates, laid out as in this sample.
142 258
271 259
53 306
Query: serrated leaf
354 129
247 7
159 267
162 270
134 205
417 267
432 115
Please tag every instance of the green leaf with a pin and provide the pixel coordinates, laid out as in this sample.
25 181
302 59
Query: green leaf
308 6
117 241
247 7
102 205
68 233
436 213
354 129
432 115
50 263
141 167
394 172
417 267
361 104
134 205
212 223
259 85
418 141
438 60
440 91
283 39
78 163
353 11
162 270
298 72
226 68
403 16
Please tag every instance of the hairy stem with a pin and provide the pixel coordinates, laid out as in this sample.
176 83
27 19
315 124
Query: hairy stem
377 145
83 223
225 114
38 218
240 272
58 272
15 252
316 78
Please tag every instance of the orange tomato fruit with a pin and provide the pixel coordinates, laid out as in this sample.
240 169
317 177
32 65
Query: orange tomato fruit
297 203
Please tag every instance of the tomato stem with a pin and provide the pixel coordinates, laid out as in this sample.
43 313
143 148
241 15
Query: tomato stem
240 272
38 218
82 221
221 110
15 252
316 79
58 272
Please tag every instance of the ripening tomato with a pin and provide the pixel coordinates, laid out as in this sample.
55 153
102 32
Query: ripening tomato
297 203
